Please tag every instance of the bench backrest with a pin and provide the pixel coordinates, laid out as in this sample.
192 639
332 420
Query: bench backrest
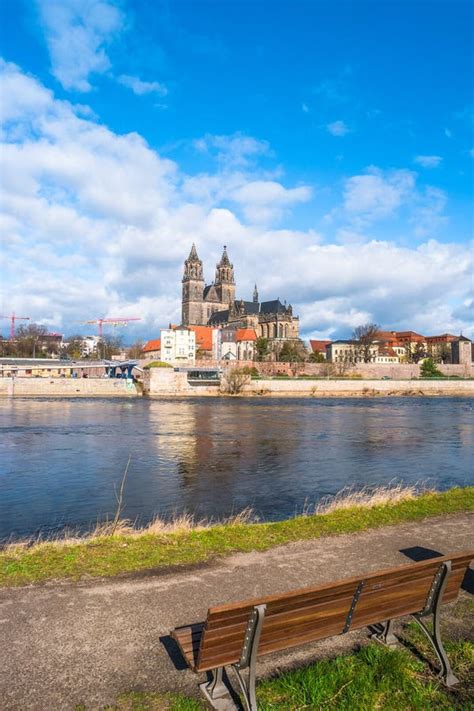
310 614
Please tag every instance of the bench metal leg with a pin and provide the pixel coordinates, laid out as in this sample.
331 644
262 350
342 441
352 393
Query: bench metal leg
433 607
248 659
385 634
216 692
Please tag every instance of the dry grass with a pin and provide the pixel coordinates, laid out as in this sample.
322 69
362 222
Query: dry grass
186 541
370 496
367 497
177 524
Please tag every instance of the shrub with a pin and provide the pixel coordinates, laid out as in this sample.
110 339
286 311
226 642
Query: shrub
429 370
158 364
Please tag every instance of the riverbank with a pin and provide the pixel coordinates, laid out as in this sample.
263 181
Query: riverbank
68 387
66 645
262 387
117 550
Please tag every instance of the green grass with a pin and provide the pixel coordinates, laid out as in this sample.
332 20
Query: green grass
112 555
373 678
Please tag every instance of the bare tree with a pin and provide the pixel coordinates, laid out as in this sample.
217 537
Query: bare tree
366 336
234 380
135 350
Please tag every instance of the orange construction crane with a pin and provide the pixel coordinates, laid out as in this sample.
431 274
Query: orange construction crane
13 317
111 322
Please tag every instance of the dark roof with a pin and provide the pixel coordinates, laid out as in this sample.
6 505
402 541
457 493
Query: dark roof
219 317
251 307
463 338
207 289
272 307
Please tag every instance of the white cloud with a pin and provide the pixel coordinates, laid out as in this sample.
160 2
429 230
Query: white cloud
140 87
305 108
77 34
96 223
377 194
265 200
337 128
236 150
448 133
428 161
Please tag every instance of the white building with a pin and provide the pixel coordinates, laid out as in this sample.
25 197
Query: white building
178 346
89 346
238 343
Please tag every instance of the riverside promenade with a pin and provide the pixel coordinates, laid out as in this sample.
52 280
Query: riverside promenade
64 644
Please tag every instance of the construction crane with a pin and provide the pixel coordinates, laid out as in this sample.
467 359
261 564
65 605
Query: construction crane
111 322
12 318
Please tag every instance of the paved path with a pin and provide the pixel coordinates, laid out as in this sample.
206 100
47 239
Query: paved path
65 644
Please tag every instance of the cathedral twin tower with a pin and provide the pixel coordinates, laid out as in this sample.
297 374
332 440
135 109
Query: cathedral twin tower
216 305
200 301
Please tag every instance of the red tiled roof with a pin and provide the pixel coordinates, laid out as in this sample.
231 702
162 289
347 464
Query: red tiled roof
154 345
245 334
409 334
203 337
318 346
386 336
444 337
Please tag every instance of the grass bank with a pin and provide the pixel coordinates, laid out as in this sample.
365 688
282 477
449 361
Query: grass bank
162 545
369 679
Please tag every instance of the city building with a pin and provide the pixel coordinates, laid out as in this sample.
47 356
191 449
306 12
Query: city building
89 346
152 349
462 351
238 343
439 347
347 351
207 341
216 304
319 346
178 346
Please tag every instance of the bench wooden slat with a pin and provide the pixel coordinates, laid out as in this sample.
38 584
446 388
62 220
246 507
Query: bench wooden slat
311 622
409 569
188 639
309 614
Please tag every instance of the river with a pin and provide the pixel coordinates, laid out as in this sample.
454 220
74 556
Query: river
61 460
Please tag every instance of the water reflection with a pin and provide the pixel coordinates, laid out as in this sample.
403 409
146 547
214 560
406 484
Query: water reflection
61 459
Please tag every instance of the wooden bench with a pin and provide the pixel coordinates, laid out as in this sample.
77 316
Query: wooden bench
235 634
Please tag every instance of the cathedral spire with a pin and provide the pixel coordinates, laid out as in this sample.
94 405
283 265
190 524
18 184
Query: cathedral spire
193 255
193 266
225 270
255 295
225 262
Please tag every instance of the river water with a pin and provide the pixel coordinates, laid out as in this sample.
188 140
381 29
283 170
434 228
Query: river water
62 459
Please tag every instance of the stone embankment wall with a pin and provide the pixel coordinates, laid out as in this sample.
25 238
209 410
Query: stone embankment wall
396 371
359 388
68 387
164 382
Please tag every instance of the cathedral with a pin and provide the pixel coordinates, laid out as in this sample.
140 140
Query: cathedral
216 305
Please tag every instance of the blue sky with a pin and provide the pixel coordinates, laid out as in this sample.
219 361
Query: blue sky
329 144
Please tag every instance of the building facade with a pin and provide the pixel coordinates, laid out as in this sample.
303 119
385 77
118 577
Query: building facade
216 304
178 346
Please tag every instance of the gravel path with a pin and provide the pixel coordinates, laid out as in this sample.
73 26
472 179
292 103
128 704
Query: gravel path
66 644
